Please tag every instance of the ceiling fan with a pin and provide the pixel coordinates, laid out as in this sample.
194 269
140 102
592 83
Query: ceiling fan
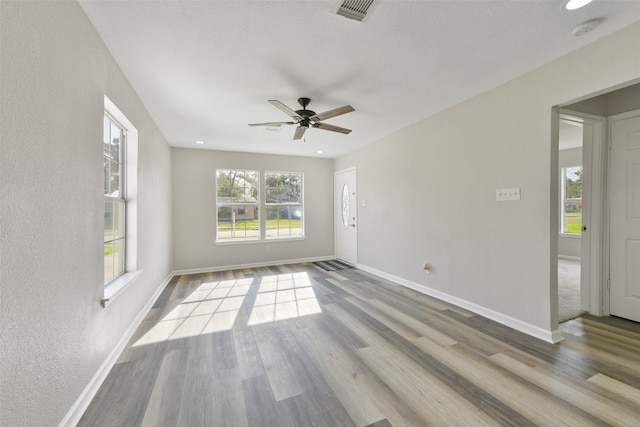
306 118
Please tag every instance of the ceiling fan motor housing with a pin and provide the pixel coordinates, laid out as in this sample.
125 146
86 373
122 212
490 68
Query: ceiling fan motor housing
304 102
304 112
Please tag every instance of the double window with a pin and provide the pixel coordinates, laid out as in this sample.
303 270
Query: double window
241 214
571 220
115 203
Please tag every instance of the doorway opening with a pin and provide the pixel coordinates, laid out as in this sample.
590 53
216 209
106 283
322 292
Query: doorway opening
605 181
570 162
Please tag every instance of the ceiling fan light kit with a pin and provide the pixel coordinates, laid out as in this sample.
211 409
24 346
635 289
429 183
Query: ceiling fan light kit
307 118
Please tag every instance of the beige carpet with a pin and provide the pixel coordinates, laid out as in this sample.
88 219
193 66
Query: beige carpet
568 290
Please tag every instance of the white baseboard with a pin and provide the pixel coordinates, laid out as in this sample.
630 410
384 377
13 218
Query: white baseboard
524 327
252 265
556 336
82 403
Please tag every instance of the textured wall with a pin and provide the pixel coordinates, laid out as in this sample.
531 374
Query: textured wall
447 167
54 332
194 210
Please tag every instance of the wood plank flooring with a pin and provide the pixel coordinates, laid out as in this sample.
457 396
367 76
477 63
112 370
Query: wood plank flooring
299 346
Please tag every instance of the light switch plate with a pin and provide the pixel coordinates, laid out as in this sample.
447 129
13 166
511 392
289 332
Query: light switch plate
508 194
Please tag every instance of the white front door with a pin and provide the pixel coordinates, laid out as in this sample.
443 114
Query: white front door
345 214
624 217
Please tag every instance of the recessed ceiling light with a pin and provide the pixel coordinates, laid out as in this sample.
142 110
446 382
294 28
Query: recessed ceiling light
576 4
200 142
320 152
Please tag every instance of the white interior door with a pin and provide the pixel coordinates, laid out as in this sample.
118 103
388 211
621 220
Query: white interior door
624 217
346 214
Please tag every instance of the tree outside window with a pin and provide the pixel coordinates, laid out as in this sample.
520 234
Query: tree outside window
284 205
238 205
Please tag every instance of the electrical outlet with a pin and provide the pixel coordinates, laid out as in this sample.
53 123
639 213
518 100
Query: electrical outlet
427 268
508 194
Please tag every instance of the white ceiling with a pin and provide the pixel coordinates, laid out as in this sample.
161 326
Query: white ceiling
205 69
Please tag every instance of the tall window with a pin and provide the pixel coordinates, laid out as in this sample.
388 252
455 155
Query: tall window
238 205
284 209
114 199
572 200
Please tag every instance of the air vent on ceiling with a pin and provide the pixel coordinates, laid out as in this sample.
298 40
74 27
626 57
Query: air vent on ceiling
355 9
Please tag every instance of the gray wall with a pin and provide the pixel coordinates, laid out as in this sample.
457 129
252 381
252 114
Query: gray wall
55 334
194 211
498 256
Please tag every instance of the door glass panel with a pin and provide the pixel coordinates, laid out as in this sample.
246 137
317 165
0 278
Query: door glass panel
345 206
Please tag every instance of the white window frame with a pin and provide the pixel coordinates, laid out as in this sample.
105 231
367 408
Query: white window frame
261 207
563 192
287 204
119 199
116 286
235 205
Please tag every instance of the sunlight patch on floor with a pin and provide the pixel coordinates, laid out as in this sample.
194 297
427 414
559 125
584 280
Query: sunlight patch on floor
212 307
284 296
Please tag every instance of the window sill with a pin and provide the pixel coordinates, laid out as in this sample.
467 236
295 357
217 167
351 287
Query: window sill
288 239
257 242
116 287
571 235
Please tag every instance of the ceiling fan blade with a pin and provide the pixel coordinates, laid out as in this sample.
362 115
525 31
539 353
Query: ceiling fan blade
286 109
327 126
299 132
332 113
272 124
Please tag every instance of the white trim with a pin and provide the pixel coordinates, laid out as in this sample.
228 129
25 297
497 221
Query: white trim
131 184
571 235
264 205
549 336
570 258
256 241
594 251
82 402
117 286
577 116
252 265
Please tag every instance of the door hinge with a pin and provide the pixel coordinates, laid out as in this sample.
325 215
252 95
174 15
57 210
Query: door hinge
608 284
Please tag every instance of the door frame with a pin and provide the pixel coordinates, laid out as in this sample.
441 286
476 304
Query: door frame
594 257
335 211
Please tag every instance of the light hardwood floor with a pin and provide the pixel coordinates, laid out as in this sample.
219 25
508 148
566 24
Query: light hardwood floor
299 346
